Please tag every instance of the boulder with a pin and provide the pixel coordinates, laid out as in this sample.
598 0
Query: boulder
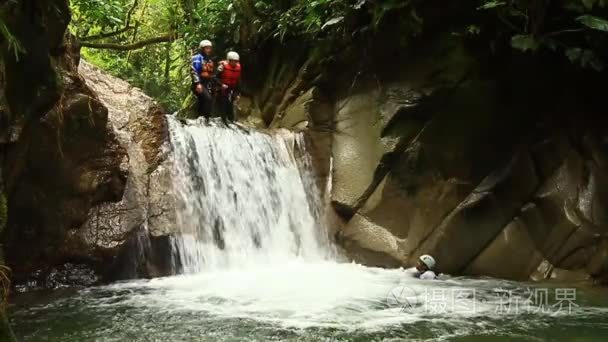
397 203
474 223
373 240
85 180
296 113
356 148
63 165
513 243
563 220
147 208
598 263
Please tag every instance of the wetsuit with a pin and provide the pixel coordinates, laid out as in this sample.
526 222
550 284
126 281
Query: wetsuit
426 275
202 73
229 75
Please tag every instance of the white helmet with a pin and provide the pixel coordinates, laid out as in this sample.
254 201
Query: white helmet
205 43
232 56
428 260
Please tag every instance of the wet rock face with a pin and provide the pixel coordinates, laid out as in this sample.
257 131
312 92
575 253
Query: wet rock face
124 229
64 275
437 156
63 164
539 203
100 195
83 162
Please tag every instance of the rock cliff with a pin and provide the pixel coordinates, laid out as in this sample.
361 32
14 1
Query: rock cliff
495 163
79 152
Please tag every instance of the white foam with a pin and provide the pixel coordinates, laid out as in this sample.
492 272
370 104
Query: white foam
304 294
274 263
243 198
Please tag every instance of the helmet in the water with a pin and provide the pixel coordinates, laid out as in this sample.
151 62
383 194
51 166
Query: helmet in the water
428 260
205 43
232 56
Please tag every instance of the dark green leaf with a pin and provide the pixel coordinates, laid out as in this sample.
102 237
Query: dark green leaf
491 4
574 54
473 30
593 22
524 42
585 58
332 21
589 3
359 4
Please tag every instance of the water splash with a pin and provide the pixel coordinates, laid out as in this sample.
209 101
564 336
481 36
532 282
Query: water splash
244 198
268 272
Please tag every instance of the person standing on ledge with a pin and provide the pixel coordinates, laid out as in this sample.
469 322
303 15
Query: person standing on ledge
202 74
229 77
424 268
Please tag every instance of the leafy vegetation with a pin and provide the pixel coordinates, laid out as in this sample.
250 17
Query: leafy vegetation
11 41
149 42
576 28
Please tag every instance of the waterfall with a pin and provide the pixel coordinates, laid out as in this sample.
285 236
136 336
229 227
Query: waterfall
243 197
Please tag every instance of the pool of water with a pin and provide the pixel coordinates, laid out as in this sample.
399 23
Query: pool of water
303 301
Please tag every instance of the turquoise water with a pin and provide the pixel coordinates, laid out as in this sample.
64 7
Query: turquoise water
312 302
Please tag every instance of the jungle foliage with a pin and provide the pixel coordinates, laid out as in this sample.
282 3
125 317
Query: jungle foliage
149 42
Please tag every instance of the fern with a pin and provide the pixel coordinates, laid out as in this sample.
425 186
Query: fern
12 41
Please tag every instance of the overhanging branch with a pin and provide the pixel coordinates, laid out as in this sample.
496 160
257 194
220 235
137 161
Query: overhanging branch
108 34
557 33
117 32
169 37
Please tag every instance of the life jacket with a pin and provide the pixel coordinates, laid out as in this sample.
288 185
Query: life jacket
230 75
207 69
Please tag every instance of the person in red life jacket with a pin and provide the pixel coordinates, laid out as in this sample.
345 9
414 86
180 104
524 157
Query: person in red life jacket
228 77
202 75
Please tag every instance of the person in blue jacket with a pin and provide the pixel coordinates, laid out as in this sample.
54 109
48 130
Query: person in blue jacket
202 76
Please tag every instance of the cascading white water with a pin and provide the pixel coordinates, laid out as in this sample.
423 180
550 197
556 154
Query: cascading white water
244 197
265 270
